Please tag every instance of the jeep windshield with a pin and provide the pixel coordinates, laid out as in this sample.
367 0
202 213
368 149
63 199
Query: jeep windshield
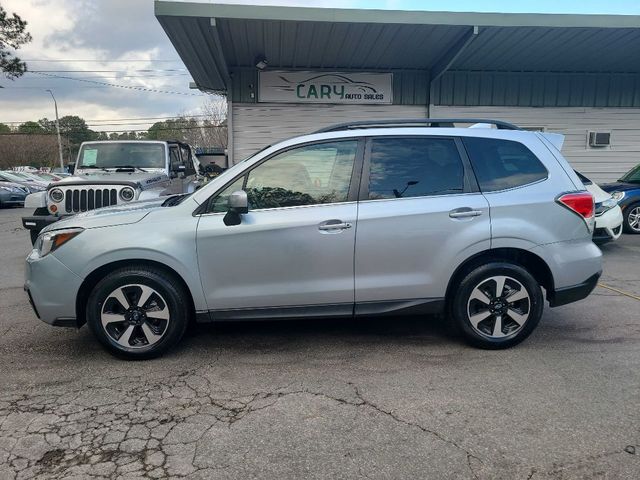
122 155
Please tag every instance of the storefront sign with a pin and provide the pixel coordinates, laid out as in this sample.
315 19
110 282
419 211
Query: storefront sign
317 87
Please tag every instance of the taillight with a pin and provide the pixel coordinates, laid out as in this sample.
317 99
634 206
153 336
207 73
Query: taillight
580 202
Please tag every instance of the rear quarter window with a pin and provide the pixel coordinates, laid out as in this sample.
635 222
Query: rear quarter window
503 164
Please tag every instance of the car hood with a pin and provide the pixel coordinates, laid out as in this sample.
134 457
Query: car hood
620 187
109 216
599 195
12 185
137 177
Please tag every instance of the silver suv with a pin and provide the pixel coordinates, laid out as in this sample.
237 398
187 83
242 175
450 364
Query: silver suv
362 219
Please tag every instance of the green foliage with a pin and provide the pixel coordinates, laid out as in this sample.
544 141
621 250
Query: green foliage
4 128
31 128
13 34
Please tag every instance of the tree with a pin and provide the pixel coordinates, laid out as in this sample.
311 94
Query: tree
4 128
13 34
30 128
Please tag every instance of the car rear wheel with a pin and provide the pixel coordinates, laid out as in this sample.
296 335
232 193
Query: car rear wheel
632 218
497 305
138 312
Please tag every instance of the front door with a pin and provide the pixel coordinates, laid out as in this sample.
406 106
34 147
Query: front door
420 216
293 253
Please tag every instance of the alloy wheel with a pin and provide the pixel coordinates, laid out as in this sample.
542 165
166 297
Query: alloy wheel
135 316
498 307
634 219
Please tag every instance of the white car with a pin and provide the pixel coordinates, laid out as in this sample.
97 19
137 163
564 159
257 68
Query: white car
608 214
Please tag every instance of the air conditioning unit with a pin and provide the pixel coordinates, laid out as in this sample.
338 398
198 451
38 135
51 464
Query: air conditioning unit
599 139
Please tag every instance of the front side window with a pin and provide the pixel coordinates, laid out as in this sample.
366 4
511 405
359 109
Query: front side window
502 164
219 204
308 175
405 167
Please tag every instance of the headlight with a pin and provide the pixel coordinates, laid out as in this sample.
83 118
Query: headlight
617 196
56 195
609 203
36 188
50 241
127 194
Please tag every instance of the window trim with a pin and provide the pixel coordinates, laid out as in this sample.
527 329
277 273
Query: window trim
544 179
470 184
354 185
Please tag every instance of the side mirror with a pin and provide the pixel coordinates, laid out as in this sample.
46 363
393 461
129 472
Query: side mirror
238 204
71 167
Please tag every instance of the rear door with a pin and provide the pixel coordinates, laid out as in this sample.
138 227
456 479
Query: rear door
420 215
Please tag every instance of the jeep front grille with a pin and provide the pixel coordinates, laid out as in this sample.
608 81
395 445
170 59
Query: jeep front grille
81 200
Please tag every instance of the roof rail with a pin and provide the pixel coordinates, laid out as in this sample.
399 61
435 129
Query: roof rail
416 122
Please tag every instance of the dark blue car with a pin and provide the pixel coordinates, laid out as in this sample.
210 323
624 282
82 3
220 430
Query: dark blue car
626 191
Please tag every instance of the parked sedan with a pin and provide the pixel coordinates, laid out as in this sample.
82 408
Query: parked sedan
608 214
31 185
626 192
12 194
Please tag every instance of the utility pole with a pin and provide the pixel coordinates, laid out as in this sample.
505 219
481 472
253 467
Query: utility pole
55 104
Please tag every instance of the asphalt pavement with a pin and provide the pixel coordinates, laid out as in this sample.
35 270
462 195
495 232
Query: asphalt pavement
396 398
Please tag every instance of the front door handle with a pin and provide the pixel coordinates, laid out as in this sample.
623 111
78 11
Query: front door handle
464 212
331 225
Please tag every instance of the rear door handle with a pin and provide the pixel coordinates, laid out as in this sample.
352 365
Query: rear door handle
464 212
330 225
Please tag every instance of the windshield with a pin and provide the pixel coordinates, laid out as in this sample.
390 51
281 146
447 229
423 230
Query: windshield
111 155
13 177
632 176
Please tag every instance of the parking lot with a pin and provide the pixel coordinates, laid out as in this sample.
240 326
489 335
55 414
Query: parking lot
374 398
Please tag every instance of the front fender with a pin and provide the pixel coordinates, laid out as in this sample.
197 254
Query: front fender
36 200
151 194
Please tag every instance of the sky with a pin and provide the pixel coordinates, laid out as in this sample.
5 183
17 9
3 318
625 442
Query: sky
120 42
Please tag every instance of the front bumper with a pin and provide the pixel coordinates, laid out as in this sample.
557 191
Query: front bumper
38 222
608 225
12 199
563 296
52 289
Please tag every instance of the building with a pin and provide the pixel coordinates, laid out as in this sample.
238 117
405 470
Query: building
288 71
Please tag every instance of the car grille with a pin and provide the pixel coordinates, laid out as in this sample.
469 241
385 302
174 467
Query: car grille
81 200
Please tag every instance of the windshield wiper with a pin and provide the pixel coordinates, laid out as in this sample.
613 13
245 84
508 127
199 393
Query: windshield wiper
117 167
90 167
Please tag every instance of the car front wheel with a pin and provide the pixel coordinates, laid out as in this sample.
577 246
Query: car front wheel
497 305
632 219
138 312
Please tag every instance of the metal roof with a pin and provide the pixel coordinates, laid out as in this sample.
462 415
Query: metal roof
215 39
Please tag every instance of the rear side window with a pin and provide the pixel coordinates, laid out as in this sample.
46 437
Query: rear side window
414 167
502 164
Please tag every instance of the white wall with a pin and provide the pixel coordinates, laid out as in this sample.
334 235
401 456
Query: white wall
600 164
257 125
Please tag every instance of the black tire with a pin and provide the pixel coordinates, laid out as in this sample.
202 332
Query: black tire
628 228
172 296
510 333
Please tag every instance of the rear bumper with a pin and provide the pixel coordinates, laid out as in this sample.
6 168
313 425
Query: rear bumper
563 296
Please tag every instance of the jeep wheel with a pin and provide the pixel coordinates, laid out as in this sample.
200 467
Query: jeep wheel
497 305
138 312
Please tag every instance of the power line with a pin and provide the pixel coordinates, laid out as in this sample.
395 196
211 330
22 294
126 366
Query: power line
148 70
142 60
175 117
129 87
